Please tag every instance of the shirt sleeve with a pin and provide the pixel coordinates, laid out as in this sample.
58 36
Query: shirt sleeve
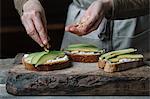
19 5
123 9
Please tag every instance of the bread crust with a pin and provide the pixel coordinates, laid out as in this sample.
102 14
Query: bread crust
114 67
101 63
47 67
84 58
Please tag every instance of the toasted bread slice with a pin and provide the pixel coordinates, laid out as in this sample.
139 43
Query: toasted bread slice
46 61
47 67
113 67
85 53
84 58
120 60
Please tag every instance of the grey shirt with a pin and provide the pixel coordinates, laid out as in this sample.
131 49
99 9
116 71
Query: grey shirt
124 33
132 32
121 8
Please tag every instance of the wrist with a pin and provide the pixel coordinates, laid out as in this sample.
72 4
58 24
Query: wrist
31 4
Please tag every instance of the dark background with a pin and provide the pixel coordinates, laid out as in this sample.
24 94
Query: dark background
13 38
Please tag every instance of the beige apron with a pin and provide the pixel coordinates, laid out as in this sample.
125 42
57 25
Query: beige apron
122 33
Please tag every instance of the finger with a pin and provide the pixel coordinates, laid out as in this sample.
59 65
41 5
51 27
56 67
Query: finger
44 21
40 28
48 46
68 27
45 24
73 28
76 31
95 26
88 24
45 27
82 27
31 31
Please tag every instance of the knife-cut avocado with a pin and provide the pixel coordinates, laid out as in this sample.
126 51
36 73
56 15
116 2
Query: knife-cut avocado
82 47
131 56
85 49
126 56
38 55
116 53
52 55
114 60
30 56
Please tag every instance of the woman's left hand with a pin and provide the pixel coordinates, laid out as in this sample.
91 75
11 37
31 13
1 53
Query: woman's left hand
91 19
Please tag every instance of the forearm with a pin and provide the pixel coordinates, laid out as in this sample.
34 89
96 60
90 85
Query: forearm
122 9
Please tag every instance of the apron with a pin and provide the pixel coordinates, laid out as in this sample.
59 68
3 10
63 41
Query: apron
74 14
118 34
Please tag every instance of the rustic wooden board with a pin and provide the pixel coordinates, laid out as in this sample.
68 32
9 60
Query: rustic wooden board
80 79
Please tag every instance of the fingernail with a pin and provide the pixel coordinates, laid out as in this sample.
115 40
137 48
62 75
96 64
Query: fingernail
45 49
45 42
48 46
41 45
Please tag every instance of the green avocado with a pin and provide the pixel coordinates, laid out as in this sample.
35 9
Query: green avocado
82 47
29 58
131 56
126 56
114 60
51 55
37 56
116 53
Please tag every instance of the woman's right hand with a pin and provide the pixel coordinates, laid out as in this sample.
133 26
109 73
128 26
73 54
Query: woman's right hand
34 21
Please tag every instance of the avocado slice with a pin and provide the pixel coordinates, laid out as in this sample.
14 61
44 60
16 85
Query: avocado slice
37 56
50 56
131 56
85 49
82 47
114 60
29 58
116 53
126 56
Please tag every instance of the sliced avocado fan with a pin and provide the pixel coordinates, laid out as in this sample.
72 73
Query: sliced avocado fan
126 56
30 56
83 47
52 55
38 58
34 57
116 53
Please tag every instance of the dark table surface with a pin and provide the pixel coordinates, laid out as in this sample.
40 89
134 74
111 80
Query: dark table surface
6 64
